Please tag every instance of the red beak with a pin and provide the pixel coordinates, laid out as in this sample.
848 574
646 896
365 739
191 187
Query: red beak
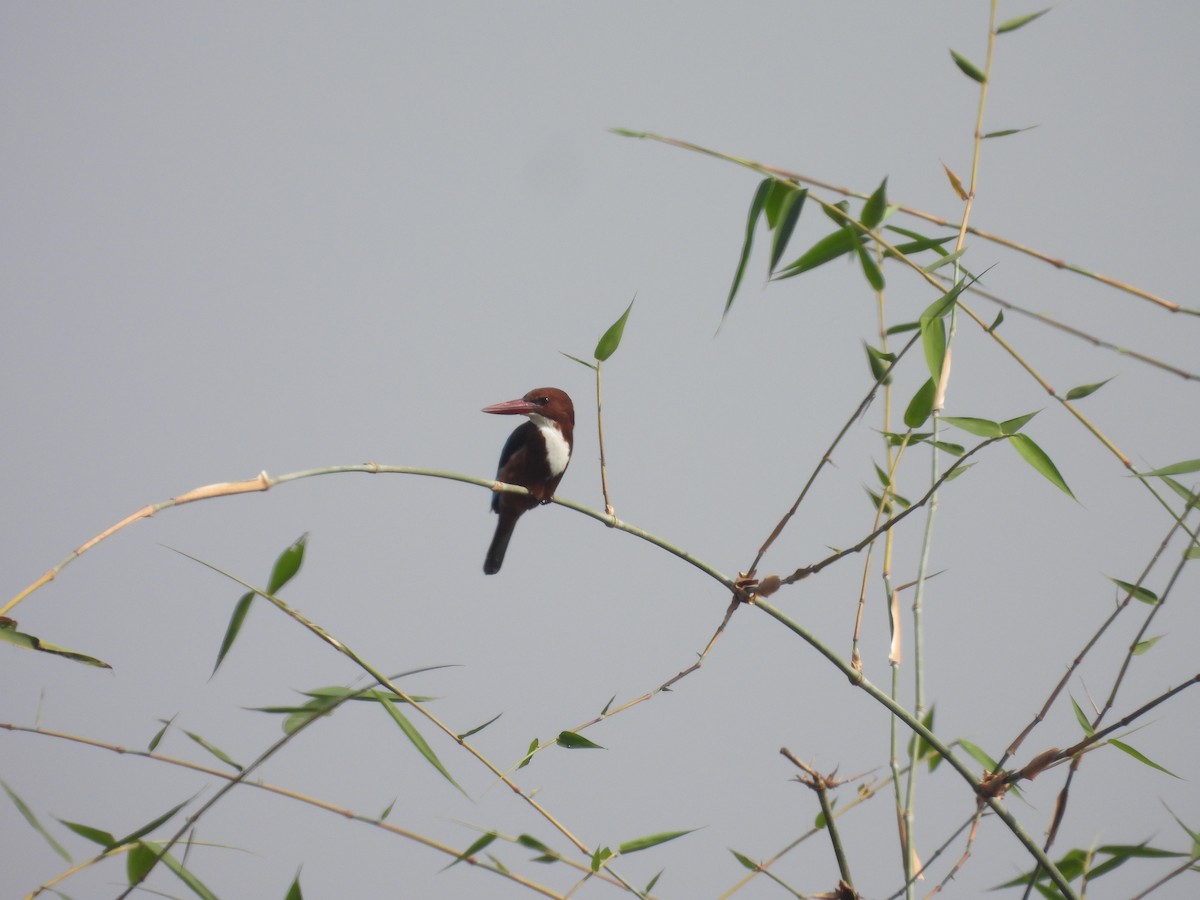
520 407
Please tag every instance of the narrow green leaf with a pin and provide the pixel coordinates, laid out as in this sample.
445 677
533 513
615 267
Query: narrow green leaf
1192 552
1005 132
652 882
150 826
417 740
294 892
756 207
582 362
387 810
234 627
1140 757
920 407
1142 646
977 754
968 68
827 248
608 344
157 739
876 206
287 565
602 855
482 842
1180 468
138 862
953 450
997 323
28 816
793 203
1082 719
942 305
984 428
944 260
95 835
879 363
529 842
870 268
479 728
533 746
185 875
213 749
933 341
903 327
1077 393
838 213
918 242
1138 593
651 840
746 861
1012 426
1015 23
1036 457
9 634
572 741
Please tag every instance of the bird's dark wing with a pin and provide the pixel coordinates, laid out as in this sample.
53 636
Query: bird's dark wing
517 441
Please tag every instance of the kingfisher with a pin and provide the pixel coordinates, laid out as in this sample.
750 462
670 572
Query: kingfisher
535 456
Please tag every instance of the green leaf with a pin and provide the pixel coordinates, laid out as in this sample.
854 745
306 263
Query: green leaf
944 260
792 204
1138 593
838 213
984 428
150 826
9 634
1180 468
482 842
608 705
1142 758
533 746
879 363
1142 646
1082 719
529 842
998 321
875 208
602 855
968 68
294 892
756 208
943 304
138 862
194 884
870 268
608 344
919 242
1077 393
157 739
1015 23
1005 132
287 565
234 627
213 749
95 835
28 816
903 327
652 882
977 754
827 248
415 737
572 741
1012 426
920 407
651 840
1036 457
582 362
478 728
746 861
387 810
933 341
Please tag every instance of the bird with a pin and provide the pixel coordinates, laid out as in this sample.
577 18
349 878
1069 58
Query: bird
535 456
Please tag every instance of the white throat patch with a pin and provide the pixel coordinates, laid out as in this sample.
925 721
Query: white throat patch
558 454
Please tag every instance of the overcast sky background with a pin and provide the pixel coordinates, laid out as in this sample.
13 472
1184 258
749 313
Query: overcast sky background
240 237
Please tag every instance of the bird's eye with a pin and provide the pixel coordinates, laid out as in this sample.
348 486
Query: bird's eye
542 401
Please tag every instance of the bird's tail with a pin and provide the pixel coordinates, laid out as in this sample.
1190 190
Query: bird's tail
504 530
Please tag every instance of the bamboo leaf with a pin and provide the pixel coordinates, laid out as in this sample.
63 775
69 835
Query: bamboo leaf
288 564
1012 426
1142 646
920 407
1005 132
945 260
572 741
984 428
157 739
746 861
879 363
10 635
533 746
977 754
968 68
1180 468
1036 457
294 892
875 208
1078 393
756 208
184 874
830 247
1015 23
790 208
479 728
1138 593
1083 720
150 826
482 842
955 182
234 627
1140 757
95 835
651 840
213 749
933 341
608 344
417 740
870 269
600 857
28 816
582 362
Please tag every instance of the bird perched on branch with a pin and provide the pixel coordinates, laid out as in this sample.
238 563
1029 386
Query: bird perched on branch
535 456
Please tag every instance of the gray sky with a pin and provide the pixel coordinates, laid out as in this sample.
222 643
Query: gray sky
240 237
